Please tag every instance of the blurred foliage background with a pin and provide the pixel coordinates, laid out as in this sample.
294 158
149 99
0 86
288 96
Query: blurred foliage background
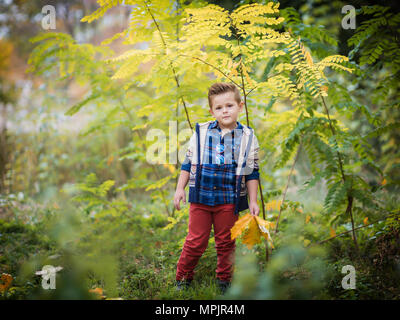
77 192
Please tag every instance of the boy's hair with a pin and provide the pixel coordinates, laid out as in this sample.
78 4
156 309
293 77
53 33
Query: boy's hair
222 87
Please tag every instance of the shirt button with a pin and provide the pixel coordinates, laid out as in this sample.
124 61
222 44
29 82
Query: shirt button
215 187
215 174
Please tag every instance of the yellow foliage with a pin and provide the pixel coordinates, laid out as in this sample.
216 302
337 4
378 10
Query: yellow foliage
172 221
273 205
246 74
170 167
311 75
105 5
6 49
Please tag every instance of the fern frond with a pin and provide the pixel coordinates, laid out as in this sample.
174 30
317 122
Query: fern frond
379 131
254 13
335 197
105 5
366 30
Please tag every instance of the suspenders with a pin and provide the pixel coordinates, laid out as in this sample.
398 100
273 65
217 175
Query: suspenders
198 170
239 180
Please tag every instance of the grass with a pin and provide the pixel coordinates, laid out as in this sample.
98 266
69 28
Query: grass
133 257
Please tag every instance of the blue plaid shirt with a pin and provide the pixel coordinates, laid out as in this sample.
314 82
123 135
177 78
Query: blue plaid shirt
218 170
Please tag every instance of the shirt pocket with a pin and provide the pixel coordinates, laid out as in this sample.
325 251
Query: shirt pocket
227 177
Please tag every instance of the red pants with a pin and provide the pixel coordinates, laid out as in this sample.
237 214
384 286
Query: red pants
201 217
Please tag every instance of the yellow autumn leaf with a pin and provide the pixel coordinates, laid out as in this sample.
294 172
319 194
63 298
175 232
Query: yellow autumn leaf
109 160
299 210
265 226
332 232
252 228
264 223
384 181
240 226
308 218
252 235
365 220
98 292
6 280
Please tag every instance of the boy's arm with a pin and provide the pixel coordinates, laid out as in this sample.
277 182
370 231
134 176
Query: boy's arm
183 180
252 186
184 176
180 189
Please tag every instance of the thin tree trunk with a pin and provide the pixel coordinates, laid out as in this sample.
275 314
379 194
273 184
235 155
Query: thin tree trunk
349 197
287 185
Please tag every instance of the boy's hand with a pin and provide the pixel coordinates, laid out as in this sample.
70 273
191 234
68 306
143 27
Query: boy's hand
254 209
179 195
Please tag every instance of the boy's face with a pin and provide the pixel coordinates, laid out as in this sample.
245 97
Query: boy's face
226 110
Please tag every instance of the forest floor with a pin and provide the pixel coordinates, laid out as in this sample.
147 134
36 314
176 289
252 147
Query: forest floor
132 257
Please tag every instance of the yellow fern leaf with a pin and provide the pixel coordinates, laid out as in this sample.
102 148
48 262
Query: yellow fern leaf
105 5
307 55
273 205
246 74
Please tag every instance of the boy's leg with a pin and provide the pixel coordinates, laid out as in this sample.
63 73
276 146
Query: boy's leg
223 220
196 242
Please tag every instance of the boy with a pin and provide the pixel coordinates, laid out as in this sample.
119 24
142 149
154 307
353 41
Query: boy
221 166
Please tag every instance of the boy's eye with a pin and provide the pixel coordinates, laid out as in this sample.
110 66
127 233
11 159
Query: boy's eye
219 108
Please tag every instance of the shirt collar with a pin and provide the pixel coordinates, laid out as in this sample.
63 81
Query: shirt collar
215 124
